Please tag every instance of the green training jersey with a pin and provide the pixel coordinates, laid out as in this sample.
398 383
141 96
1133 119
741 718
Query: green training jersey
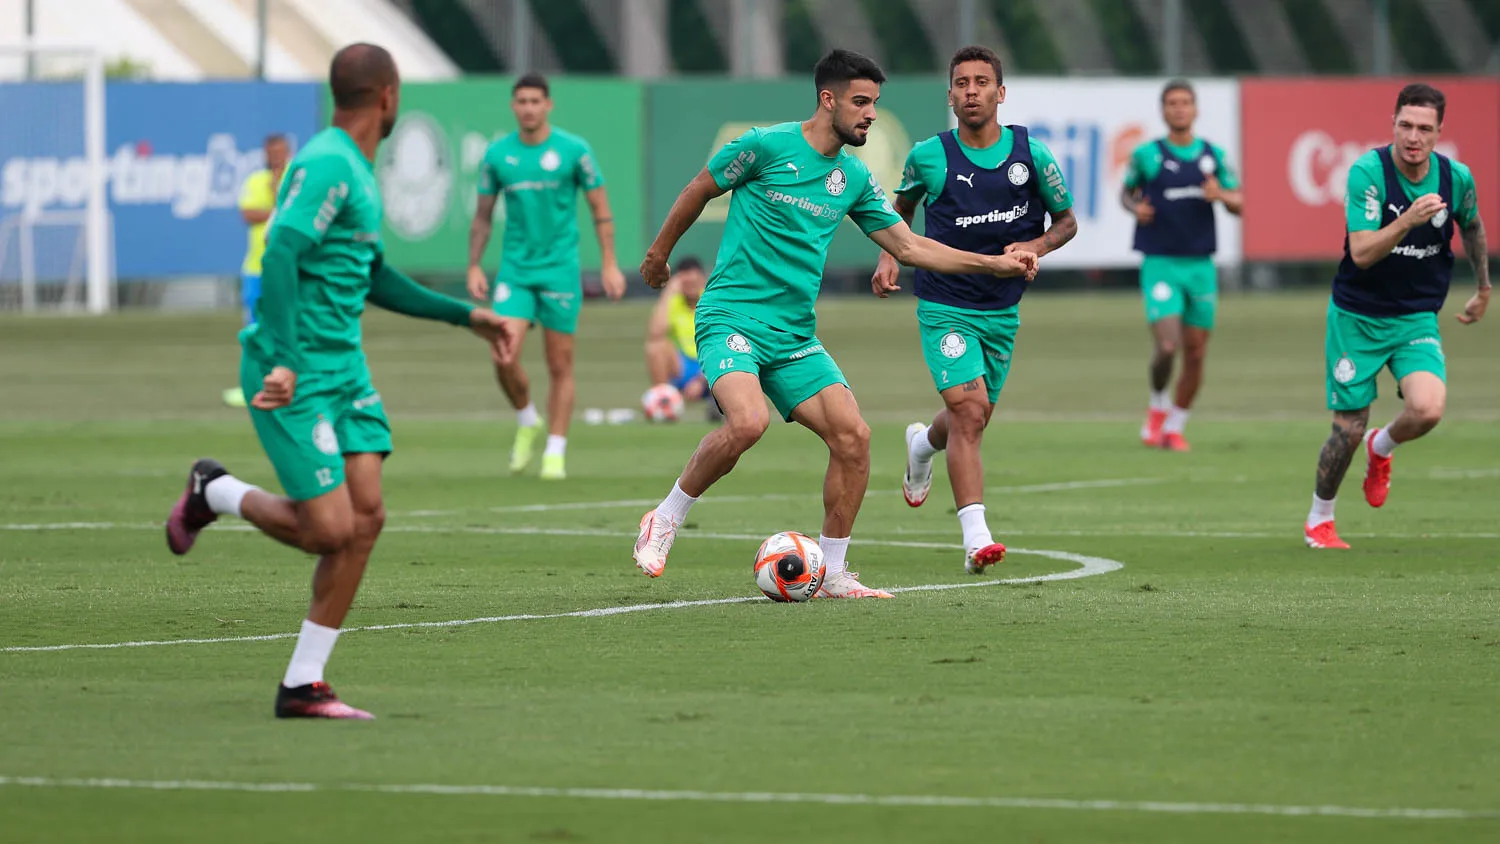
329 195
787 203
541 184
1366 191
926 169
1145 163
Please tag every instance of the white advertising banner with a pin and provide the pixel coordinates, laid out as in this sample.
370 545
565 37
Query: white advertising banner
1092 126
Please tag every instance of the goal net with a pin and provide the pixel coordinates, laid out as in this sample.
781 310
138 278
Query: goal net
56 248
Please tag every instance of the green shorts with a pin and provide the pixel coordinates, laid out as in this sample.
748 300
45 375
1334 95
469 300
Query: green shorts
1358 347
791 369
332 414
961 345
552 297
1180 286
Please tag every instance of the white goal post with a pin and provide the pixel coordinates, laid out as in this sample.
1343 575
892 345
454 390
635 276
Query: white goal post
84 262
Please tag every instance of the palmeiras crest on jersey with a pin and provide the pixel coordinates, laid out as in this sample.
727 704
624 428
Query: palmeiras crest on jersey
737 343
1344 371
1018 174
836 181
324 439
953 345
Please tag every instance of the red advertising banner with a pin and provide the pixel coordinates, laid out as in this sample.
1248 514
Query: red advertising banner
1301 136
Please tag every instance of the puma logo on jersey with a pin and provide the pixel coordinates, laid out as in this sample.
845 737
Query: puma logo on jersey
968 180
795 168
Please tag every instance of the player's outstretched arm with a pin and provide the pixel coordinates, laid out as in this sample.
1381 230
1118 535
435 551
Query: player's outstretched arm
888 269
395 291
1477 248
479 240
913 250
685 211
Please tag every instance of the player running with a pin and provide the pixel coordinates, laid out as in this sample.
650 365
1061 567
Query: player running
316 413
1404 201
1171 186
540 169
671 351
988 189
756 328
257 201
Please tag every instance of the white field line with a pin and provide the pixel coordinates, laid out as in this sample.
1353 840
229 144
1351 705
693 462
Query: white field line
631 503
761 797
872 537
1087 567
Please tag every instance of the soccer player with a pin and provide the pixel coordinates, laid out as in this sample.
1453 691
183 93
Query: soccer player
1403 203
314 409
988 189
756 329
540 169
671 352
1171 186
257 200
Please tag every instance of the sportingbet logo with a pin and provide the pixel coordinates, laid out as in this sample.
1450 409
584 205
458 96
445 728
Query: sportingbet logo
190 184
817 209
1189 192
996 216
1421 253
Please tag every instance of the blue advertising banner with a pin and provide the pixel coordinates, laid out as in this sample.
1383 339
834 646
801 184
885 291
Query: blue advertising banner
177 155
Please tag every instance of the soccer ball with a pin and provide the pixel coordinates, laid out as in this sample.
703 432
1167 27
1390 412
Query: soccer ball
789 567
662 403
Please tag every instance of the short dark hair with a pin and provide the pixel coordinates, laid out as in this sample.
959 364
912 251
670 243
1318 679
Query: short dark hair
689 263
976 53
840 67
274 138
532 80
1178 85
358 73
1424 95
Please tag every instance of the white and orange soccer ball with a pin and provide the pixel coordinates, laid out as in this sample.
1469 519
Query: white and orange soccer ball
662 403
789 567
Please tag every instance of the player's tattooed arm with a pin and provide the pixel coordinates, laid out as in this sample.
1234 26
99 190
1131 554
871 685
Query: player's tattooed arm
1477 248
1064 227
1338 451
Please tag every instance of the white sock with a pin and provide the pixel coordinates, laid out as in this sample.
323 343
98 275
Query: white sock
1176 420
226 493
676 505
921 446
314 646
976 530
527 416
1322 511
833 556
1159 400
1382 444
556 445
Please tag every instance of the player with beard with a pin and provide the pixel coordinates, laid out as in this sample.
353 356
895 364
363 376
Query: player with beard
315 411
793 184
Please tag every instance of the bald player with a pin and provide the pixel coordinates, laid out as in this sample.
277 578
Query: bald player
315 411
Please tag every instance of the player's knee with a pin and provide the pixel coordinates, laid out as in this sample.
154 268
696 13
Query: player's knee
967 418
1428 412
744 430
560 367
1194 354
851 443
1166 347
369 522
328 537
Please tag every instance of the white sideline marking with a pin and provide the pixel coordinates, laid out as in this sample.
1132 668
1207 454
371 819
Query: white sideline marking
480 529
1064 486
908 800
1088 567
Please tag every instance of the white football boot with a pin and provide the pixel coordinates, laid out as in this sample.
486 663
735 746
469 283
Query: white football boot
918 480
847 585
653 544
